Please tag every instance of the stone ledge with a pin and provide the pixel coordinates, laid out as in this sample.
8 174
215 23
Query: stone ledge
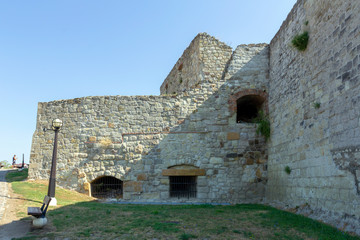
183 172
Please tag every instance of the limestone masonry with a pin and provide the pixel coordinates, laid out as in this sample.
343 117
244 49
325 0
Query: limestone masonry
199 137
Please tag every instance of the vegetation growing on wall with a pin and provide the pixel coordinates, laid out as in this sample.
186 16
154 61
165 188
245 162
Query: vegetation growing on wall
264 124
287 169
300 41
316 105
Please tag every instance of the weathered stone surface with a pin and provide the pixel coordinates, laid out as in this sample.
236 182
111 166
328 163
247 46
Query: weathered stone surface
233 136
216 160
312 98
141 177
132 186
86 186
314 108
183 172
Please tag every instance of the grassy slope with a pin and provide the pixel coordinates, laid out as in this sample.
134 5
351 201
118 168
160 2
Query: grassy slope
80 218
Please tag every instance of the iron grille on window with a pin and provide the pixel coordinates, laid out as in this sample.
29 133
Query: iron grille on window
107 187
182 186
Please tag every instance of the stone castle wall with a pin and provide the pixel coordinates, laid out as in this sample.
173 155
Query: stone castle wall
314 109
136 138
312 98
204 60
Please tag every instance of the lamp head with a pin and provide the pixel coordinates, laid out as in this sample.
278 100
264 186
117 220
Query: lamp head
56 124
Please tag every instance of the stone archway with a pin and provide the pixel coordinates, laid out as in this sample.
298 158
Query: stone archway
107 187
247 104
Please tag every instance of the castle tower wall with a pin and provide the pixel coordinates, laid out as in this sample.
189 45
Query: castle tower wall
144 140
314 109
205 60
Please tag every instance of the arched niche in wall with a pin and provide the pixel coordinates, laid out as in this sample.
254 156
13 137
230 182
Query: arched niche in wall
107 187
247 104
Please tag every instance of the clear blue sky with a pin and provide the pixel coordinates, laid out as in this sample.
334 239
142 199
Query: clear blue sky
63 49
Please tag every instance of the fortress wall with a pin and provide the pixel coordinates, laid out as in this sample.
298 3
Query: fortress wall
314 109
204 60
135 138
248 67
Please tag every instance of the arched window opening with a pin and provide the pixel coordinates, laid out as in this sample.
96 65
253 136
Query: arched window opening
248 108
107 187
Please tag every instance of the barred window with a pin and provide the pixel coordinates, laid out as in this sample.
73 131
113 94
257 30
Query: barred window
107 187
183 186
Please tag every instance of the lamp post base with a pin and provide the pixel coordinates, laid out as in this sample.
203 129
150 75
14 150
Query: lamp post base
53 202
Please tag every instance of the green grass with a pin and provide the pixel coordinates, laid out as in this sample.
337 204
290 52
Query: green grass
186 236
77 217
15 175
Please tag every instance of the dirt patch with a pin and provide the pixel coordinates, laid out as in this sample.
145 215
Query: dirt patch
12 226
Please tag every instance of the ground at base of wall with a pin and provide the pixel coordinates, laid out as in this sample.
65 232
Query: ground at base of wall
347 223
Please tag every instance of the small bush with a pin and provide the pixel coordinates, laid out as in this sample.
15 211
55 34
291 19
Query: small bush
316 105
287 169
300 41
5 164
264 125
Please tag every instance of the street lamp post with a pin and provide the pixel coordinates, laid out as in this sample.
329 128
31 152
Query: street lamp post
56 125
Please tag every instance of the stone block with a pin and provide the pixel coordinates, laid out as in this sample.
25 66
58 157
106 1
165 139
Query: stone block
152 195
126 195
92 139
258 173
132 186
202 195
141 177
233 136
202 189
202 182
216 160
183 172
164 181
261 161
81 175
87 186
164 195
249 161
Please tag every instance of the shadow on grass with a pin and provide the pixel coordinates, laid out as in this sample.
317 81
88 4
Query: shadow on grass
82 219
94 220
16 175
15 229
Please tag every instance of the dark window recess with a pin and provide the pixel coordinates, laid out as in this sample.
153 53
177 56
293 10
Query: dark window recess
107 187
248 108
182 186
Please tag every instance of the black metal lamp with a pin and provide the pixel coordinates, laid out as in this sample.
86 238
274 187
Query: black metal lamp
56 125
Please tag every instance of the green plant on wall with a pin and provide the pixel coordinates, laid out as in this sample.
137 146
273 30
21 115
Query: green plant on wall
316 105
287 169
264 124
300 41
